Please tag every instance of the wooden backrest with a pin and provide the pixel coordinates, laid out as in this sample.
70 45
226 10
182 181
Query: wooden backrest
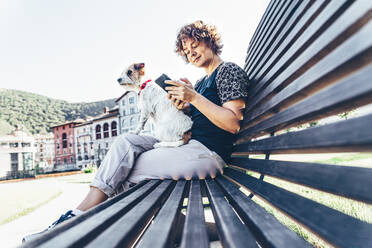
306 61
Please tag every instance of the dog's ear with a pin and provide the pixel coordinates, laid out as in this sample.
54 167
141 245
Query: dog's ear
129 72
139 66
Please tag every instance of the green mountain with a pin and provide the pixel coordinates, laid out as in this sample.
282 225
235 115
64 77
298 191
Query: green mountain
38 113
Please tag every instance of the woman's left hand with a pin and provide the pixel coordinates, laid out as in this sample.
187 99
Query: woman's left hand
181 90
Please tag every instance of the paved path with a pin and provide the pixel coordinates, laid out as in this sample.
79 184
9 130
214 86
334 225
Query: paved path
11 233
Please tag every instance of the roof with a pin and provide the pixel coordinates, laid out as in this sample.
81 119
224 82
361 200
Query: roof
69 122
110 114
126 92
85 123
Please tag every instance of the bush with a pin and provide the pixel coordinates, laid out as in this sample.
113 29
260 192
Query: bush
88 170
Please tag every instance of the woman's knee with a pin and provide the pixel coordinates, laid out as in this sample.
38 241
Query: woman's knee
123 139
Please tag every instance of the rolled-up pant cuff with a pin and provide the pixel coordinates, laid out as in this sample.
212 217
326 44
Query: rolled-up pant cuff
106 189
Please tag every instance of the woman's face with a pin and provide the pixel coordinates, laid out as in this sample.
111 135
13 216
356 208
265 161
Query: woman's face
198 53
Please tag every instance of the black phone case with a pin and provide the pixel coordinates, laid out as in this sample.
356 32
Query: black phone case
160 81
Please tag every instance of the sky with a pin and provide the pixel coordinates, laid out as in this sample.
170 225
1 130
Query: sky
75 50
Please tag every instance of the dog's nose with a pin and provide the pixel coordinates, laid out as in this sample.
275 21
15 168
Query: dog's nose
119 80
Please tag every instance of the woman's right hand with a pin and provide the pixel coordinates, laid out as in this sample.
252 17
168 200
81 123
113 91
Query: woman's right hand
181 105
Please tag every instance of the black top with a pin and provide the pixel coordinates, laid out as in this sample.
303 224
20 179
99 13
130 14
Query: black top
227 82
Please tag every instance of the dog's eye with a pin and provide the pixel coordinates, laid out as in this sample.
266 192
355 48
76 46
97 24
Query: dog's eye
129 72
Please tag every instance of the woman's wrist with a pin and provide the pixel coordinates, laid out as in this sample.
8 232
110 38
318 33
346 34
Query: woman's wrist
196 99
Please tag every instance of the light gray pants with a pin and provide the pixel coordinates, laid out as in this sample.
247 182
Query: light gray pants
134 156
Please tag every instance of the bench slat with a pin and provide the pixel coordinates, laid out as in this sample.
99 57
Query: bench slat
352 55
311 13
351 182
60 229
281 19
268 230
354 90
261 24
326 222
85 229
274 10
232 232
282 36
125 230
350 135
291 64
159 234
195 231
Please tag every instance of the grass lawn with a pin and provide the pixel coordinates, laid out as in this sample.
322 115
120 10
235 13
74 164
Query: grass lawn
353 208
20 198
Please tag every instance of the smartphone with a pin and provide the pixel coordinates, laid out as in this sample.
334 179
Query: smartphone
160 81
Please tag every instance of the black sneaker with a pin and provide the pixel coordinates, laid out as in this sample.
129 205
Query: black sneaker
66 216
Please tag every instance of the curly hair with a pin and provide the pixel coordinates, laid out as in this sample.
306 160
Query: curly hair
201 32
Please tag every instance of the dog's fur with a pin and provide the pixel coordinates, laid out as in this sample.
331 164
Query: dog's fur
170 123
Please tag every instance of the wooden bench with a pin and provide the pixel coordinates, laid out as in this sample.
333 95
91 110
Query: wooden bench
307 60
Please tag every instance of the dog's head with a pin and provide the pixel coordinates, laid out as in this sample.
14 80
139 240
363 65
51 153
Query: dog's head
131 77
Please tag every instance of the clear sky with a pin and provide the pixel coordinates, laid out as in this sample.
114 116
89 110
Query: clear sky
76 49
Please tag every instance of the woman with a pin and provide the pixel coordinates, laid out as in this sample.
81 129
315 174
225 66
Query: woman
215 105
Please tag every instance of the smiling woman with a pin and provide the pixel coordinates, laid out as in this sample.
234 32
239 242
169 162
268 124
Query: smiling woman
198 32
217 100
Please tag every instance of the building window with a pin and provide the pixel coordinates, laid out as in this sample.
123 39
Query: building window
85 148
86 157
13 144
132 111
124 112
14 161
98 132
65 160
72 160
80 158
131 100
106 130
58 161
64 140
123 102
63 127
113 129
27 160
132 121
69 125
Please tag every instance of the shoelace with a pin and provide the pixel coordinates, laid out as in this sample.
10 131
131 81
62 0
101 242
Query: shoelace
63 217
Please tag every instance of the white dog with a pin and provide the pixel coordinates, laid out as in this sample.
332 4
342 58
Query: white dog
171 124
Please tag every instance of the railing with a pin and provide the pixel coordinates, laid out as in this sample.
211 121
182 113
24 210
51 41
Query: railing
18 174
